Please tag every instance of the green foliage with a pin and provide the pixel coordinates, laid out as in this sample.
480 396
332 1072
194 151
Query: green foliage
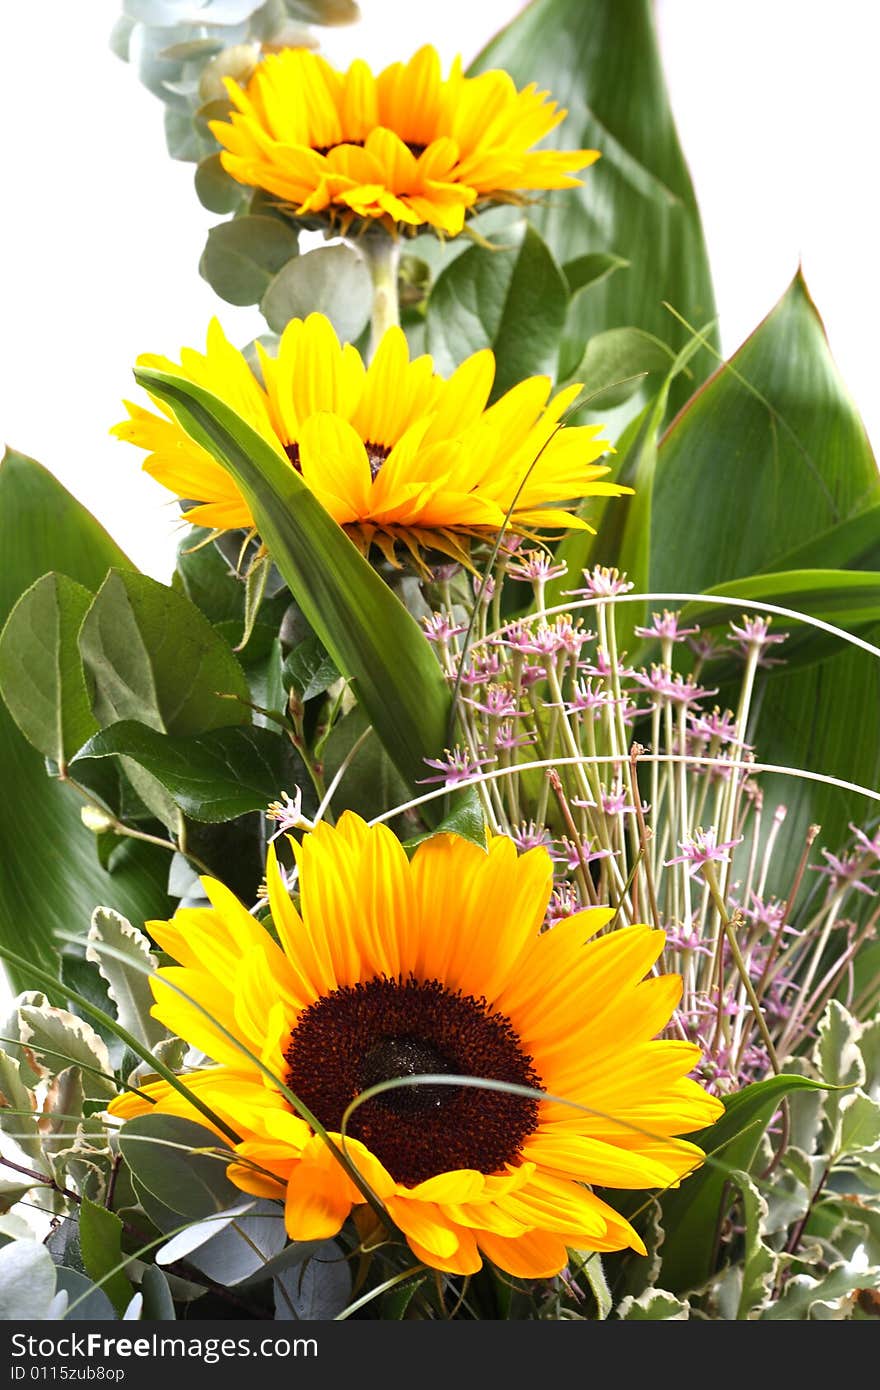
124 959
512 298
43 528
174 1159
242 258
100 1234
214 777
41 674
332 280
599 59
691 1213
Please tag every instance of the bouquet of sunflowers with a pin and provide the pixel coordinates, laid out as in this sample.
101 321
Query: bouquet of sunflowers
461 901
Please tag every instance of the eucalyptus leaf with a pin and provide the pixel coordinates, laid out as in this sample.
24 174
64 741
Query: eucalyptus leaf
331 280
242 257
158 1303
216 190
161 1151
319 1288
27 1281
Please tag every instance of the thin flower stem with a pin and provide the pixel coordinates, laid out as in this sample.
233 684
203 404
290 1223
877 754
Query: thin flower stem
583 872
729 926
635 753
381 251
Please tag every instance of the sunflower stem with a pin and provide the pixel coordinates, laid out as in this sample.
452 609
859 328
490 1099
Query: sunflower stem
381 251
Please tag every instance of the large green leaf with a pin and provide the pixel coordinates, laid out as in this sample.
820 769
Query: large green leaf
770 454
43 528
41 672
370 636
512 299
692 1211
599 59
152 656
214 777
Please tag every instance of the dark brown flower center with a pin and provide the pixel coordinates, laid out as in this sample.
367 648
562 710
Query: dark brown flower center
384 1029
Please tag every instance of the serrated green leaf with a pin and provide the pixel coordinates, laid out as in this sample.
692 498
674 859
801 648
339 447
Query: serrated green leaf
58 1038
600 60
100 1234
242 257
758 1260
465 820
512 299
308 669
150 655
41 674
213 777
371 637
859 1124
654 1305
124 968
43 528
802 1294
331 280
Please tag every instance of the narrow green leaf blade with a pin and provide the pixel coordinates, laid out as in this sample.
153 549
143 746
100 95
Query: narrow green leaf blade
691 1212
368 633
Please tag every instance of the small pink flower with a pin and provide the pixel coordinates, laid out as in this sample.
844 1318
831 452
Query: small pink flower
703 848
847 869
601 582
536 566
665 627
755 636
458 765
527 835
440 627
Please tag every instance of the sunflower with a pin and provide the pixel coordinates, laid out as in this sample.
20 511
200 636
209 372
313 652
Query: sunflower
394 453
405 146
435 966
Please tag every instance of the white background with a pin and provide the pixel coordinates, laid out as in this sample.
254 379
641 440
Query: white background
101 233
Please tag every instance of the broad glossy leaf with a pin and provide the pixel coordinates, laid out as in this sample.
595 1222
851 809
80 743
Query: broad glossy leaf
152 656
41 673
371 637
213 777
512 299
308 669
616 363
770 453
691 1212
43 528
851 544
599 59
